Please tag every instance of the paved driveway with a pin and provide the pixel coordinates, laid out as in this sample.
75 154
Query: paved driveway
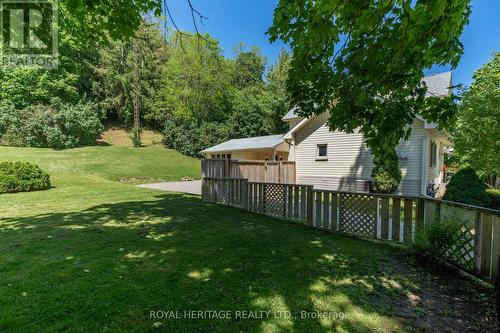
191 187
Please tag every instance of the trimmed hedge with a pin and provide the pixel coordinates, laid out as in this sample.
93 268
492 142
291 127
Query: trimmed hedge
22 177
466 187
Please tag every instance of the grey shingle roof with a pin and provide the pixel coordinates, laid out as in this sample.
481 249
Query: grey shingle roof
290 114
258 142
437 85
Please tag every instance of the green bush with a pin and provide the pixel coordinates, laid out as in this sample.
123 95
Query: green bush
494 195
188 138
22 177
466 187
61 126
386 175
136 137
436 238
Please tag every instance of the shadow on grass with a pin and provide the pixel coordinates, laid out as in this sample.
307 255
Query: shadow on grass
108 266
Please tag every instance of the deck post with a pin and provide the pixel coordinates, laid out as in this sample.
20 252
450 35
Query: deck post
309 205
244 193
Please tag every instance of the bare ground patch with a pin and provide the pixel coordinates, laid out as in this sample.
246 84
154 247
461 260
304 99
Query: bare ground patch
433 301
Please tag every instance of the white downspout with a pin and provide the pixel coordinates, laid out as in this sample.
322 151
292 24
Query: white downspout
423 169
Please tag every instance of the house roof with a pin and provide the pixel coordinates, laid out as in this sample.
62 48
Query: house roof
437 85
291 114
258 142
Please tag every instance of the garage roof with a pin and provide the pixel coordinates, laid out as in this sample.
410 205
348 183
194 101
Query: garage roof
258 142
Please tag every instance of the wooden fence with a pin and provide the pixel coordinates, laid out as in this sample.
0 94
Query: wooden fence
476 246
255 171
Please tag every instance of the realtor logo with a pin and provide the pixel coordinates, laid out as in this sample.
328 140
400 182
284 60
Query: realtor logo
28 33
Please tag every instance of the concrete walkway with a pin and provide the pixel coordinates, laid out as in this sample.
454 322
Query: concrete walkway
191 187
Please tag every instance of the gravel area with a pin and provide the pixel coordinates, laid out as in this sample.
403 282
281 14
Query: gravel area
191 187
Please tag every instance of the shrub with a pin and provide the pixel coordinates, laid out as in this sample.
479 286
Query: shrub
62 126
386 175
466 187
22 177
136 137
436 238
188 138
494 195
10 121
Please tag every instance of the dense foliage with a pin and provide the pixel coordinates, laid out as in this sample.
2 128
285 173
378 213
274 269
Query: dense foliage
129 72
466 187
207 99
436 239
169 81
494 196
22 177
57 126
363 62
189 138
386 175
479 117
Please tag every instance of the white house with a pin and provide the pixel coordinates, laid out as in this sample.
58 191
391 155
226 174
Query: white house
341 161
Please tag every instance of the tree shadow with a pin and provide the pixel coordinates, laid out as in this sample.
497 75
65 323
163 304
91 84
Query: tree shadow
110 265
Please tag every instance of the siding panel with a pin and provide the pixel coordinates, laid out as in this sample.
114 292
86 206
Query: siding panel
349 159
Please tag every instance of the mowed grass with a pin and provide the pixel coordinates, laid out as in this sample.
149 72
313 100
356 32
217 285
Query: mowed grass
96 255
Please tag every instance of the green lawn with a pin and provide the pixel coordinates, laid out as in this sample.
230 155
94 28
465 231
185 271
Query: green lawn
96 255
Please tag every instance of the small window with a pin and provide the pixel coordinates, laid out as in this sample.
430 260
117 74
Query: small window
433 154
228 156
218 155
322 152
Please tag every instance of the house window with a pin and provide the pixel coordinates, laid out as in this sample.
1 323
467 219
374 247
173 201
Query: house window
433 155
322 152
228 156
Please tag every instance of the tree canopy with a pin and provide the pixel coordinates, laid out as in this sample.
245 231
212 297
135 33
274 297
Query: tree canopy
478 118
165 80
363 62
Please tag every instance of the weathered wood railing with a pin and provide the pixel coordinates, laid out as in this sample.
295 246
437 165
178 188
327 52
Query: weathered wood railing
256 171
386 217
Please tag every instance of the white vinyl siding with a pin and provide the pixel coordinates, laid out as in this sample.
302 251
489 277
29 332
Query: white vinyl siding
349 159
434 172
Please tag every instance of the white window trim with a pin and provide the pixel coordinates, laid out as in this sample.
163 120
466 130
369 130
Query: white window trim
321 158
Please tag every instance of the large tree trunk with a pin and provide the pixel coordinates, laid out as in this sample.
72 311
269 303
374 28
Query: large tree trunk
137 107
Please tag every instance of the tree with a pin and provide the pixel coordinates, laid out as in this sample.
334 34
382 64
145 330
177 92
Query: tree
276 86
129 75
97 21
248 68
196 81
466 187
478 118
363 62
25 86
251 113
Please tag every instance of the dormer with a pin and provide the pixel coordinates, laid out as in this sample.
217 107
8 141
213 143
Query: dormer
291 118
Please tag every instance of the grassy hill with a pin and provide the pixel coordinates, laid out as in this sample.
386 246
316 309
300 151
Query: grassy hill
94 174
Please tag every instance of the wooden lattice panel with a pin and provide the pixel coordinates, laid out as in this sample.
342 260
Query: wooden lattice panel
274 199
222 191
462 250
357 214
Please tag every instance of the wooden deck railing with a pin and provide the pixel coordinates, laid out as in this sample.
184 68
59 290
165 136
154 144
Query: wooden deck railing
392 218
256 171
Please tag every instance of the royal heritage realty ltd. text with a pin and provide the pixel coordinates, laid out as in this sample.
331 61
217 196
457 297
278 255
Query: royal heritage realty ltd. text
245 314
